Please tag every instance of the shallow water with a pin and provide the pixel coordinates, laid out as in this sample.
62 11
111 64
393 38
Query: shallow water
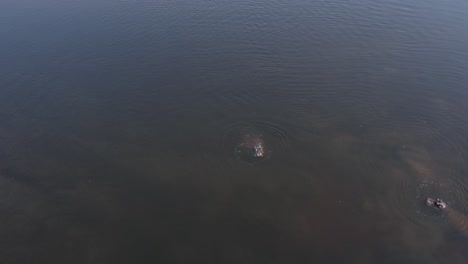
119 122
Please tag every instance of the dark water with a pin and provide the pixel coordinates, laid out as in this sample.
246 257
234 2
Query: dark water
119 122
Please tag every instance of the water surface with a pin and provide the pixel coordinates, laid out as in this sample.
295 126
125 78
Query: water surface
119 122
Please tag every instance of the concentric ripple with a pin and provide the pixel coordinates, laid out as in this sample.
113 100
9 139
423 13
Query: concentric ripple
410 201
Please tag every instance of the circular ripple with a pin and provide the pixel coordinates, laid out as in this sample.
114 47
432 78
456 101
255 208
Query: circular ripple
411 201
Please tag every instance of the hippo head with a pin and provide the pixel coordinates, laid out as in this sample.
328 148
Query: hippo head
436 203
258 151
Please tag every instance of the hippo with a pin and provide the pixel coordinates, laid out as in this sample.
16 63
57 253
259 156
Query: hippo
436 203
251 148
457 218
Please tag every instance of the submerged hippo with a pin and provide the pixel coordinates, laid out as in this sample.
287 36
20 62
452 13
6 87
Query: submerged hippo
436 203
251 148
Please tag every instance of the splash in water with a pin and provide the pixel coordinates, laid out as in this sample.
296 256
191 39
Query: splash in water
251 148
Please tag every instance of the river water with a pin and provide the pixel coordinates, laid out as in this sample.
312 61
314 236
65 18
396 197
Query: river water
121 123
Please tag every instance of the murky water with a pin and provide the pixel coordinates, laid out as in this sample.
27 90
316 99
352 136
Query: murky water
240 131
